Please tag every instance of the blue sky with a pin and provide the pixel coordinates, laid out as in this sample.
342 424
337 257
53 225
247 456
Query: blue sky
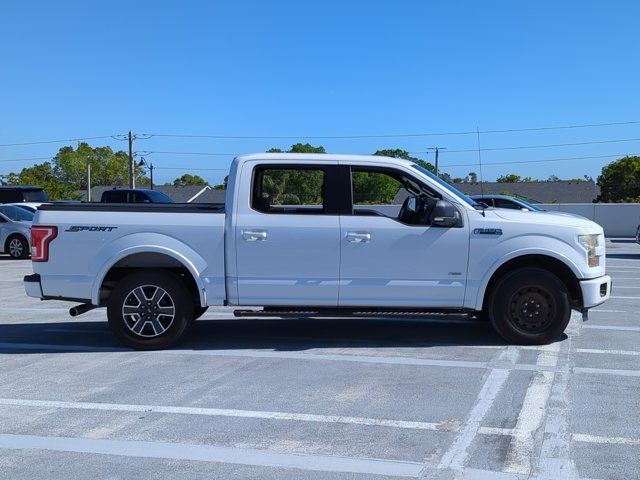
75 69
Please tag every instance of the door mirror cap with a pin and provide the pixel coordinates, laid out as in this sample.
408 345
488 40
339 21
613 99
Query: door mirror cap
445 215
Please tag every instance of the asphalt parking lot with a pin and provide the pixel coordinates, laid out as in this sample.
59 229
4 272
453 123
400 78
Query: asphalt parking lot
337 399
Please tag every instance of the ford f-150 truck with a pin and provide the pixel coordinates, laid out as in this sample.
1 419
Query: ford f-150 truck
319 235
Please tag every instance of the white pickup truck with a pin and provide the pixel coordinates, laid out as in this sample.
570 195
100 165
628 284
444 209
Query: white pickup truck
319 235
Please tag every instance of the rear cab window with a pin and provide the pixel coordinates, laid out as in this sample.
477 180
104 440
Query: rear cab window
289 190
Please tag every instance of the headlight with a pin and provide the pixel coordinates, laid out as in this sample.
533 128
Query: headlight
590 242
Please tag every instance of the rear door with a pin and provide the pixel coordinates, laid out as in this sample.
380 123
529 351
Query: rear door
388 259
287 234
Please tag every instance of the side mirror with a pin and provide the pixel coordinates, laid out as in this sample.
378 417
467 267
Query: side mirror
445 214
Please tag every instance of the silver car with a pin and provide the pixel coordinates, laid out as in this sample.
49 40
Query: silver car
15 231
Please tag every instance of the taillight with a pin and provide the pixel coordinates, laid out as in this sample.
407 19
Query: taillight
41 237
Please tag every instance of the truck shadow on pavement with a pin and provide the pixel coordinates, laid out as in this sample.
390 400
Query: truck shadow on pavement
270 334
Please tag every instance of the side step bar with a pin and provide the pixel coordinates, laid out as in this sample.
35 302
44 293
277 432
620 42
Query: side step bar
343 312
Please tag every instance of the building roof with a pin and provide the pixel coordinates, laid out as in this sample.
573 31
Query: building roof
186 194
538 192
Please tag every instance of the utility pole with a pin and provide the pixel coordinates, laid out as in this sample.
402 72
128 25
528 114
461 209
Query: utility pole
151 175
88 180
132 178
437 150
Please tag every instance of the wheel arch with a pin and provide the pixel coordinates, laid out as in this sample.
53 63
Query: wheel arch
563 269
144 258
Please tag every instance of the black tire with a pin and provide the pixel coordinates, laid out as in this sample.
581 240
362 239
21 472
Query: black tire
17 247
530 306
148 324
198 311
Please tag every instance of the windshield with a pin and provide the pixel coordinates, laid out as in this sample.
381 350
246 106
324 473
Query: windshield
158 197
15 213
447 186
531 206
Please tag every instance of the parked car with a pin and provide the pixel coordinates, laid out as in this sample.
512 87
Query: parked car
22 193
300 236
138 195
30 206
15 225
507 201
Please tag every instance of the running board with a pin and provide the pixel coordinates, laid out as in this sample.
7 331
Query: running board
344 312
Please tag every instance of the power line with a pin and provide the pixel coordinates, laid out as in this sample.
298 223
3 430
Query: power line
25 159
547 160
192 168
149 152
55 141
391 135
522 147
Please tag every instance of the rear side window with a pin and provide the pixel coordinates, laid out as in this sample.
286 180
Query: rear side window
10 196
289 190
114 196
35 196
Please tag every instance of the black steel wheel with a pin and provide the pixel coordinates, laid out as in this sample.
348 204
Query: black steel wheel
530 306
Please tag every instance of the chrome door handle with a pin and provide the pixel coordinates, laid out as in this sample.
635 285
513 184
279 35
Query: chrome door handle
358 237
254 235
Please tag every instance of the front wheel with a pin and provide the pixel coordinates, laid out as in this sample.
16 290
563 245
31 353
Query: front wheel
150 310
530 306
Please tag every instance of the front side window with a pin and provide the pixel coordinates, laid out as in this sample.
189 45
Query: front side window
289 190
391 193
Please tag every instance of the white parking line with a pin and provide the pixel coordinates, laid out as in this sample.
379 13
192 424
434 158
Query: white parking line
606 311
609 352
581 437
612 327
211 453
457 453
225 412
608 371
625 298
518 458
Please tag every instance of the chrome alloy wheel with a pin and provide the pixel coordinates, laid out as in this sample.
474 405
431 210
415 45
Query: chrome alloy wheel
148 311
15 248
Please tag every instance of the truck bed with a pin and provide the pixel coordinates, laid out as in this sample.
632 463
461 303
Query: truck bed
95 241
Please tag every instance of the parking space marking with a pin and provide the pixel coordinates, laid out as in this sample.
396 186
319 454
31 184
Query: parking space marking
581 437
518 459
212 453
610 352
608 371
625 298
612 327
607 311
225 412
457 453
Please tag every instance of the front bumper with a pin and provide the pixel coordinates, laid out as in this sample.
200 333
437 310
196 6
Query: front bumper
32 285
595 291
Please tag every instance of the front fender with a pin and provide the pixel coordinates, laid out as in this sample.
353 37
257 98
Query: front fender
509 250
134 243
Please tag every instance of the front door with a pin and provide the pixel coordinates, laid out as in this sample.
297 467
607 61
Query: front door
288 237
391 258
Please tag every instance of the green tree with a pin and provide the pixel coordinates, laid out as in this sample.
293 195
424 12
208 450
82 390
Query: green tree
188 179
508 178
66 173
553 178
620 180
473 177
43 175
299 148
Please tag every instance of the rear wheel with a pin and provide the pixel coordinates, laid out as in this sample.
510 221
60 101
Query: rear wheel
530 306
198 311
17 247
150 310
